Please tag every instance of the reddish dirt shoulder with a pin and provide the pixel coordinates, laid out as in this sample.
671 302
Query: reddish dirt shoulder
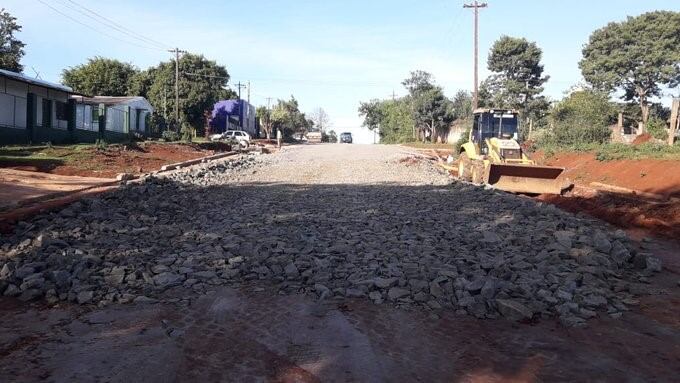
114 159
649 175
653 217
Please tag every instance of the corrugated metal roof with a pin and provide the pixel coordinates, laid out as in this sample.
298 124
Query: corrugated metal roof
34 81
108 100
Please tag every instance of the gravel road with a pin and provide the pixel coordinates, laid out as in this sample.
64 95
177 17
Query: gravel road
329 263
331 221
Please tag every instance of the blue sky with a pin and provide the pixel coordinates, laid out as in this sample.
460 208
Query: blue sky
330 54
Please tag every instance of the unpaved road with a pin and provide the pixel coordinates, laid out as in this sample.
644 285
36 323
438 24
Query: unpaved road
259 330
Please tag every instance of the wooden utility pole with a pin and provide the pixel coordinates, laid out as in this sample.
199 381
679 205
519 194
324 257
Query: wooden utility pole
475 6
176 51
675 120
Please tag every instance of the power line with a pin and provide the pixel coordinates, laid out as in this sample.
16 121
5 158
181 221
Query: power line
323 82
120 27
113 25
206 75
93 28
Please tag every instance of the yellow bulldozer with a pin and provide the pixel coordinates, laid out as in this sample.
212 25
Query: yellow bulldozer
492 155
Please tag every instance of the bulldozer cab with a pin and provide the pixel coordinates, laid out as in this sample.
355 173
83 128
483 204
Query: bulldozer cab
489 123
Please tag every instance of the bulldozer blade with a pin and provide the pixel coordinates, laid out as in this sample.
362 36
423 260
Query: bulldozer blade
530 179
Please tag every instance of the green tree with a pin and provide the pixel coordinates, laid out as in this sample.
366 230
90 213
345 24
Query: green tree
583 117
518 78
202 83
392 118
286 116
430 108
418 82
372 112
637 56
462 105
265 117
100 77
11 48
433 112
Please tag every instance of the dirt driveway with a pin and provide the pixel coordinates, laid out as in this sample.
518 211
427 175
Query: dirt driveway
271 326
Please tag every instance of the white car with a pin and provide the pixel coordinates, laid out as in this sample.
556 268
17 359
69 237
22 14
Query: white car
239 136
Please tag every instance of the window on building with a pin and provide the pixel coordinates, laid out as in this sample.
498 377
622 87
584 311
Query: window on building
95 114
61 111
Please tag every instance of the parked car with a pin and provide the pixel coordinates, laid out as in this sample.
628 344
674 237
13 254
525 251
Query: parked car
239 136
346 138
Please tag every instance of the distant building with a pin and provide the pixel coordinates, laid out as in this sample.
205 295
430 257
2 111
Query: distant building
314 137
234 115
120 116
33 110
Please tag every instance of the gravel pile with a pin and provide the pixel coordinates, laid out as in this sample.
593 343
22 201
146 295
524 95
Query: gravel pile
258 220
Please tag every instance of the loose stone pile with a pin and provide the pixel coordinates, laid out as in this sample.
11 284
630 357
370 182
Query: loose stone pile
460 247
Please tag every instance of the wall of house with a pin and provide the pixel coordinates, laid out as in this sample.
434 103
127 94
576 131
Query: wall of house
47 121
13 111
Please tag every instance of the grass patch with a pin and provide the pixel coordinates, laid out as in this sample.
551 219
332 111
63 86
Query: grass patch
616 151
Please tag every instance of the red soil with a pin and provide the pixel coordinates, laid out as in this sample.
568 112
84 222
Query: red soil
643 138
661 177
649 175
108 162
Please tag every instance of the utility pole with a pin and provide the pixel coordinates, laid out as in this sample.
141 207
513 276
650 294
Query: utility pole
176 51
239 86
240 111
476 6
269 118
165 103
248 92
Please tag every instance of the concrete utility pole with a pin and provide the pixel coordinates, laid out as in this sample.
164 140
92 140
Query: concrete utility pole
475 6
239 86
269 117
248 92
177 51
675 120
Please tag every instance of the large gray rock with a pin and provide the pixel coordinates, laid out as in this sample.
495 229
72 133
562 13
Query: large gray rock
385 283
167 279
513 310
396 292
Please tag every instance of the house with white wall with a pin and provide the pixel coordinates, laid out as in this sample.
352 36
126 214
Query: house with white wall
33 110
111 118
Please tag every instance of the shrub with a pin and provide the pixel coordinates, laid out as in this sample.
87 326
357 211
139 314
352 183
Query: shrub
157 124
463 139
170 136
187 132
581 118
656 127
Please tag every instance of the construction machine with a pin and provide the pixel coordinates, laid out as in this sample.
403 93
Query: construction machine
493 156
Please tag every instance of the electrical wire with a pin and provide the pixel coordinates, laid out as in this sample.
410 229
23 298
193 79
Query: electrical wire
121 28
93 28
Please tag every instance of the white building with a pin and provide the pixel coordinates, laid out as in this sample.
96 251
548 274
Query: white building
33 110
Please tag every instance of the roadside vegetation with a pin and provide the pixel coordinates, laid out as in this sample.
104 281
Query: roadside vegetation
635 59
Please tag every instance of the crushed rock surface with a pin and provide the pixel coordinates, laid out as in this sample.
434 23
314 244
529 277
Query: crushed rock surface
333 221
